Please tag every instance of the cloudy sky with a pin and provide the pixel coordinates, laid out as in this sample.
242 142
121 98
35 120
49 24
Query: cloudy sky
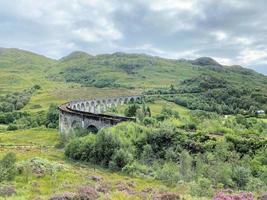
231 31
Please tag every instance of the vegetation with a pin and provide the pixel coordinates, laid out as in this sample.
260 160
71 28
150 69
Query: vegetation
197 135
209 93
174 154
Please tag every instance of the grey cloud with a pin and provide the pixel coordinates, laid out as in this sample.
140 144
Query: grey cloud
234 31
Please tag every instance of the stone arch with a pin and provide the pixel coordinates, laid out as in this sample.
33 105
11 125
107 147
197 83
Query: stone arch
87 106
76 125
74 107
82 107
131 100
103 108
126 100
138 99
93 129
78 107
120 101
97 108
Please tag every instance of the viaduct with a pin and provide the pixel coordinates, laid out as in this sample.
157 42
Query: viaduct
88 114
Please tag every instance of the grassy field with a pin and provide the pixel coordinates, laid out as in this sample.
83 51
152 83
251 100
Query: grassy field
40 143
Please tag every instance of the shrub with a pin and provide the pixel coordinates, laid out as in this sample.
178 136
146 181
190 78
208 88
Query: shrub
39 166
149 121
119 159
12 127
169 172
241 176
238 196
137 169
64 196
203 187
52 117
7 167
130 111
7 191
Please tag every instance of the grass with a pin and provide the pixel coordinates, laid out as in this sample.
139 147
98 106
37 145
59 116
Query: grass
73 175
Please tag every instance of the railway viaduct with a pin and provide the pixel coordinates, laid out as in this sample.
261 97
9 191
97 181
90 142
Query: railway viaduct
88 114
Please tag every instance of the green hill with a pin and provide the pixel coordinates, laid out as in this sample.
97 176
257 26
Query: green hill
143 71
174 150
61 79
21 69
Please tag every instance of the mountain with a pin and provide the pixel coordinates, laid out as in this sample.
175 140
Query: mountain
144 71
21 68
21 59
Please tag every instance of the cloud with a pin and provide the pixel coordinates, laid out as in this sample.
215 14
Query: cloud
232 31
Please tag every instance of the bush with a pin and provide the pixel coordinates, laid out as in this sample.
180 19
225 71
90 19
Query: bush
201 188
130 111
7 167
12 127
169 173
119 159
7 191
137 169
149 121
39 166
241 176
52 117
238 196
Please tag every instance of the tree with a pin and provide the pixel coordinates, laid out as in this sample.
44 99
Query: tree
52 117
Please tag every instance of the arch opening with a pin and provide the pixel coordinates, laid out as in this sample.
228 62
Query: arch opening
92 129
131 100
76 126
82 107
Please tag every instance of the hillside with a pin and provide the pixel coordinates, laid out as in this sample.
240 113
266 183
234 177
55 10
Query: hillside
143 71
196 133
60 80
21 69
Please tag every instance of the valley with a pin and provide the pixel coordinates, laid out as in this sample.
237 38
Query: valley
197 132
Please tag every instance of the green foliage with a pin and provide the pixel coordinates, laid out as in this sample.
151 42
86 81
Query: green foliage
167 113
169 173
52 117
16 100
186 163
7 167
201 188
213 93
12 127
38 167
105 149
131 110
241 176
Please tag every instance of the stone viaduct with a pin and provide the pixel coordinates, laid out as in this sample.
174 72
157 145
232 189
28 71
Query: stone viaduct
88 114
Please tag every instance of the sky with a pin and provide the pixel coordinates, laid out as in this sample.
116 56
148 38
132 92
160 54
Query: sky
230 31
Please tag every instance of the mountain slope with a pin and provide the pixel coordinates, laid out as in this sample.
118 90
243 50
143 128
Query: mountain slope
143 71
21 69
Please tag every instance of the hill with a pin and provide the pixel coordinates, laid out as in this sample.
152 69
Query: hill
21 69
175 149
143 71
